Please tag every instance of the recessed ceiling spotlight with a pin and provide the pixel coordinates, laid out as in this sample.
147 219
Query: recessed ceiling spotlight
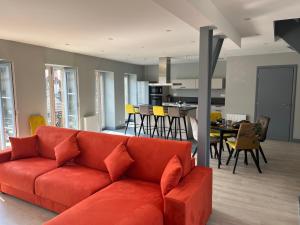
67 44
110 39
168 30
102 50
247 19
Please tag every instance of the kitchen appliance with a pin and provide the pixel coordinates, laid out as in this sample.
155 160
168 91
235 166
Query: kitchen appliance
158 94
156 90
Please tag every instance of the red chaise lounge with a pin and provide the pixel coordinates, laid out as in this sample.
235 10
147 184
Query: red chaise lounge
83 192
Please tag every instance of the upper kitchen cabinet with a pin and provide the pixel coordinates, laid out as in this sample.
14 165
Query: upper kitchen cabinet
184 84
216 83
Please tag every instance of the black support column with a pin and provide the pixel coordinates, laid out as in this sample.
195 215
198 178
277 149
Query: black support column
210 48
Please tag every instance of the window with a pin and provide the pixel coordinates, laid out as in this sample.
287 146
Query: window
62 97
130 90
7 110
99 100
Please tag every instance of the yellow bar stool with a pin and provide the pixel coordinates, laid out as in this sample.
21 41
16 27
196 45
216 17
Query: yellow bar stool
131 111
159 114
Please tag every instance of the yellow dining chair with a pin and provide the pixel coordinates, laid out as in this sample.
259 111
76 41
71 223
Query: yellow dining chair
131 110
159 113
247 141
36 121
214 117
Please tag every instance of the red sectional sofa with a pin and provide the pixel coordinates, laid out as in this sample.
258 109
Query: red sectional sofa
84 194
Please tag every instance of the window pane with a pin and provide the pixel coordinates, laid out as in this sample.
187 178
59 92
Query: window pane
99 101
58 97
71 97
7 112
48 90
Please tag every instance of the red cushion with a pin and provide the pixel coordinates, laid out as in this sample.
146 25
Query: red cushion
21 174
70 184
151 156
121 203
49 137
23 147
66 150
118 162
95 147
171 176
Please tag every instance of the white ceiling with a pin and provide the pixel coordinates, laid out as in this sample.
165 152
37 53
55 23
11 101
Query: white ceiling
138 31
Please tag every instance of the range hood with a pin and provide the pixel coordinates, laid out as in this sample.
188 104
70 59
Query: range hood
164 74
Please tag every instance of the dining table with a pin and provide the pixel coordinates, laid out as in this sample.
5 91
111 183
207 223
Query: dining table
223 129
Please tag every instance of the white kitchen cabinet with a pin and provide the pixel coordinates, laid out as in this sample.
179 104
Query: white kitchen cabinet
184 83
217 83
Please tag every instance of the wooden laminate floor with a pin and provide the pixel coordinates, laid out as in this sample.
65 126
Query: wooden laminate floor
246 198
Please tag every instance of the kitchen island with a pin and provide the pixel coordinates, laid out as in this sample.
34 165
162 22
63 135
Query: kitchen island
186 110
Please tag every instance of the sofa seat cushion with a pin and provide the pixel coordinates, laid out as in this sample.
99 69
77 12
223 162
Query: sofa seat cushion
21 174
125 202
70 184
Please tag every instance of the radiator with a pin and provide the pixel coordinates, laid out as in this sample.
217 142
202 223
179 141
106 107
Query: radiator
236 117
91 123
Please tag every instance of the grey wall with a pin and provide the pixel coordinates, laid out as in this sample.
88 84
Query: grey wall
186 71
241 83
29 65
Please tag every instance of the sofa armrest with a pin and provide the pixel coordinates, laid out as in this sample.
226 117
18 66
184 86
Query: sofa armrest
5 155
190 203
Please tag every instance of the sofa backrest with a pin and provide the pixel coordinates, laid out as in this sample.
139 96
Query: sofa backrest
151 156
49 137
95 147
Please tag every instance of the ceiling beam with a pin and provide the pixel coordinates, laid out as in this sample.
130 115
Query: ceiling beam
200 13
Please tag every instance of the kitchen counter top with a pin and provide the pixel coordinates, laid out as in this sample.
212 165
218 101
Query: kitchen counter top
186 107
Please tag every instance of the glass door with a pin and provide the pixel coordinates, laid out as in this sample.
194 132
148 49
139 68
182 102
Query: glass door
62 97
71 106
7 109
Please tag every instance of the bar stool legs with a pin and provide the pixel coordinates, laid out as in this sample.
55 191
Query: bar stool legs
176 122
128 120
148 125
162 124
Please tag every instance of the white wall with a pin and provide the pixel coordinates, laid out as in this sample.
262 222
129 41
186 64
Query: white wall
29 64
241 83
